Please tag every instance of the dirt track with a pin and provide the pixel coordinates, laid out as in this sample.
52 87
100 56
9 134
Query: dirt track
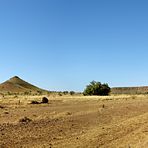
107 123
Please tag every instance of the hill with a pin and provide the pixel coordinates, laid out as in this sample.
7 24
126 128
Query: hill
130 90
16 84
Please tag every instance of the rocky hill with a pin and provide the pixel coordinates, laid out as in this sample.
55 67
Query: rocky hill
17 85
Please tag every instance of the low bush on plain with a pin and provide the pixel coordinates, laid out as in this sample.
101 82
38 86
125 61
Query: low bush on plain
25 120
45 100
35 102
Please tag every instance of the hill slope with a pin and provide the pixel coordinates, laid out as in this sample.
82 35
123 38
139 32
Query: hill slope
16 84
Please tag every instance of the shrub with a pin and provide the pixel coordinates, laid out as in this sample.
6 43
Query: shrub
39 92
25 120
72 92
15 96
96 88
44 100
2 107
60 93
26 93
65 92
35 102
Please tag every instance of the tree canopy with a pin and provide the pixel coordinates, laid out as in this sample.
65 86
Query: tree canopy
96 88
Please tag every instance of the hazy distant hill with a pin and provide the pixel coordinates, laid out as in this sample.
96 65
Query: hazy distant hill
16 84
130 90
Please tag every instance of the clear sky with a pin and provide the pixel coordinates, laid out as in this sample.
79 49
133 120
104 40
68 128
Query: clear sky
65 44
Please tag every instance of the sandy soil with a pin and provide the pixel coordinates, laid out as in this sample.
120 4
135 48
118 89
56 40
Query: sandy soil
75 122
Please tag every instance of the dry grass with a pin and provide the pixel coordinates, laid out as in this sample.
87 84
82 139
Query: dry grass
74 121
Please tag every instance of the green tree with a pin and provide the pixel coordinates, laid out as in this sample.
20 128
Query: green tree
96 88
72 92
65 92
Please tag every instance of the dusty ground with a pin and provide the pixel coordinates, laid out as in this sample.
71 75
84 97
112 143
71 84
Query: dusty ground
75 122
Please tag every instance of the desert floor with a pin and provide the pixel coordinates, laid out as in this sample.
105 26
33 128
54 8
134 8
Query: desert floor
74 122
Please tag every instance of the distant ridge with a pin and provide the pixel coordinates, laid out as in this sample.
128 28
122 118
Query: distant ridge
16 84
130 90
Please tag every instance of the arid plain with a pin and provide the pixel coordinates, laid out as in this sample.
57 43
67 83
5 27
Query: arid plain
74 122
70 121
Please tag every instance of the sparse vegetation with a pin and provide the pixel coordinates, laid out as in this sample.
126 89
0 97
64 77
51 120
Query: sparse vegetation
60 93
17 86
15 96
39 92
25 120
65 92
6 112
34 102
2 107
72 92
74 110
44 120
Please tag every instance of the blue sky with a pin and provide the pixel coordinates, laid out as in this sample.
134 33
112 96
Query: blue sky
65 44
